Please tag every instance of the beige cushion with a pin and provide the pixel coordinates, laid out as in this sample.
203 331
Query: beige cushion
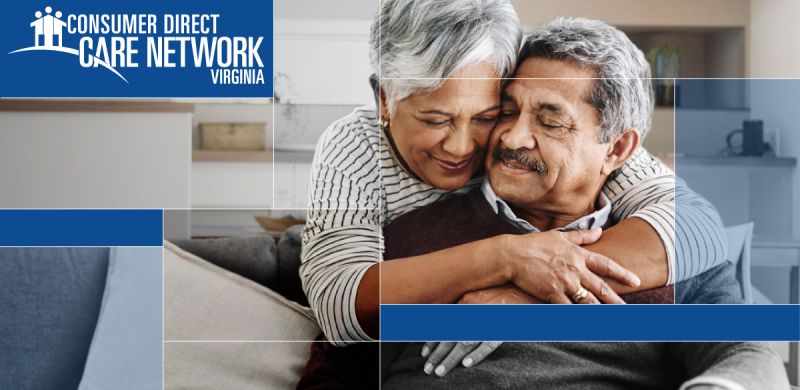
224 331
205 302
231 365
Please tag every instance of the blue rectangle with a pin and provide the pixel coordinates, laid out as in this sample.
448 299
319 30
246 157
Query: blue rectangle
81 228
590 322
74 49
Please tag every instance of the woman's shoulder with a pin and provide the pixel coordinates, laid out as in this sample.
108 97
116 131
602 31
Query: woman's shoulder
640 166
360 125
356 135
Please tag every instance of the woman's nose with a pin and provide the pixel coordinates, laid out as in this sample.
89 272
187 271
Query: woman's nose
458 143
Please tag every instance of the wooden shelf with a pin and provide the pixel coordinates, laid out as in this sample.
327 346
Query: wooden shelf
231 156
89 105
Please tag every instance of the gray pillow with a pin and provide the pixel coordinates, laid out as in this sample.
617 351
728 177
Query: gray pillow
49 302
289 251
252 257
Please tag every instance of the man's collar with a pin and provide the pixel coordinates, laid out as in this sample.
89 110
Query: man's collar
597 219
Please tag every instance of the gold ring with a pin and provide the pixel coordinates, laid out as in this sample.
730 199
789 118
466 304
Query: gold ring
580 295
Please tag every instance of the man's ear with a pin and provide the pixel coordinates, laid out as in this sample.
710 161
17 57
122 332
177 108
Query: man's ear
384 109
620 149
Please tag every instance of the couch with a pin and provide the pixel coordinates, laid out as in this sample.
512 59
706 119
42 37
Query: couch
235 314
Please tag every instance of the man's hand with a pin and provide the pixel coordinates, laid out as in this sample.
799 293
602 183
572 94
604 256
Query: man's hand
444 356
553 267
506 294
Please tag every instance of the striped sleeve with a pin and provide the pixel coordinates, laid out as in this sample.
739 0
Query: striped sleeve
341 239
688 225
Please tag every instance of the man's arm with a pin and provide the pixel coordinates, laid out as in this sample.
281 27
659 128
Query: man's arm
747 364
636 246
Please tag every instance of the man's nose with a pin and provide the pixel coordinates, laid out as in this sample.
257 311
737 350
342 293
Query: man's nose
520 135
458 143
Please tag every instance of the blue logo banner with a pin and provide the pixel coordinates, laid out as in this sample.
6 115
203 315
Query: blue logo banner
590 322
136 49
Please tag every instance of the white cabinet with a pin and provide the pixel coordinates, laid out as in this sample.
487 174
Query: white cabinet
291 184
80 154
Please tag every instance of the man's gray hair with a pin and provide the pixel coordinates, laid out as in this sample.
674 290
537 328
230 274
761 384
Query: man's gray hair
623 90
416 44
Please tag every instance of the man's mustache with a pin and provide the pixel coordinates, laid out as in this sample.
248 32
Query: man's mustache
517 155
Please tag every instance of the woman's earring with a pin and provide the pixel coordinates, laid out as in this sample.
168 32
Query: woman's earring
384 124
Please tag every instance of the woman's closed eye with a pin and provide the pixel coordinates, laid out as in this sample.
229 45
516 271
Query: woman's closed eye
436 123
508 114
486 120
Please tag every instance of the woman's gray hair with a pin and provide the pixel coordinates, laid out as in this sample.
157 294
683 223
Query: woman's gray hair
416 44
623 90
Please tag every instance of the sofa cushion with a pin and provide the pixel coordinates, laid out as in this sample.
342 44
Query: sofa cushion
205 302
126 351
225 331
251 256
289 249
234 365
49 302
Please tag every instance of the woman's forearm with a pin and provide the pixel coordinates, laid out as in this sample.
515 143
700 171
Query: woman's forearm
437 277
635 245
549 266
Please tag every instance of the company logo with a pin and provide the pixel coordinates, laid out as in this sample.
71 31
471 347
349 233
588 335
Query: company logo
118 42
46 28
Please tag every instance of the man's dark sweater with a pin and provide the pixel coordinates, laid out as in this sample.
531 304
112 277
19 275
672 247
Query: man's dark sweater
466 218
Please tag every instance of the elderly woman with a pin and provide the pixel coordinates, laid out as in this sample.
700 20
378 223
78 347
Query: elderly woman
440 65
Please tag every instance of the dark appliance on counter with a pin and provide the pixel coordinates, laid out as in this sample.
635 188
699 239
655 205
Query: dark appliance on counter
751 142
753 138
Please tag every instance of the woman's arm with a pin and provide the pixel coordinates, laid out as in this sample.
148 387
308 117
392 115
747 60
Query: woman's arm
646 189
636 246
550 266
341 239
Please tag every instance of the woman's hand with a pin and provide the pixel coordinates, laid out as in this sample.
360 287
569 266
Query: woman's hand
552 267
444 356
447 356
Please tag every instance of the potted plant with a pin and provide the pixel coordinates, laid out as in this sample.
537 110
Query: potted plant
665 64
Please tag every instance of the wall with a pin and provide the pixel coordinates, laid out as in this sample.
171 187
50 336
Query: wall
774 52
326 9
95 160
232 184
650 13
322 70
773 38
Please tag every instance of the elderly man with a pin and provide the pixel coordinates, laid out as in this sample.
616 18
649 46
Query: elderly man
556 144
